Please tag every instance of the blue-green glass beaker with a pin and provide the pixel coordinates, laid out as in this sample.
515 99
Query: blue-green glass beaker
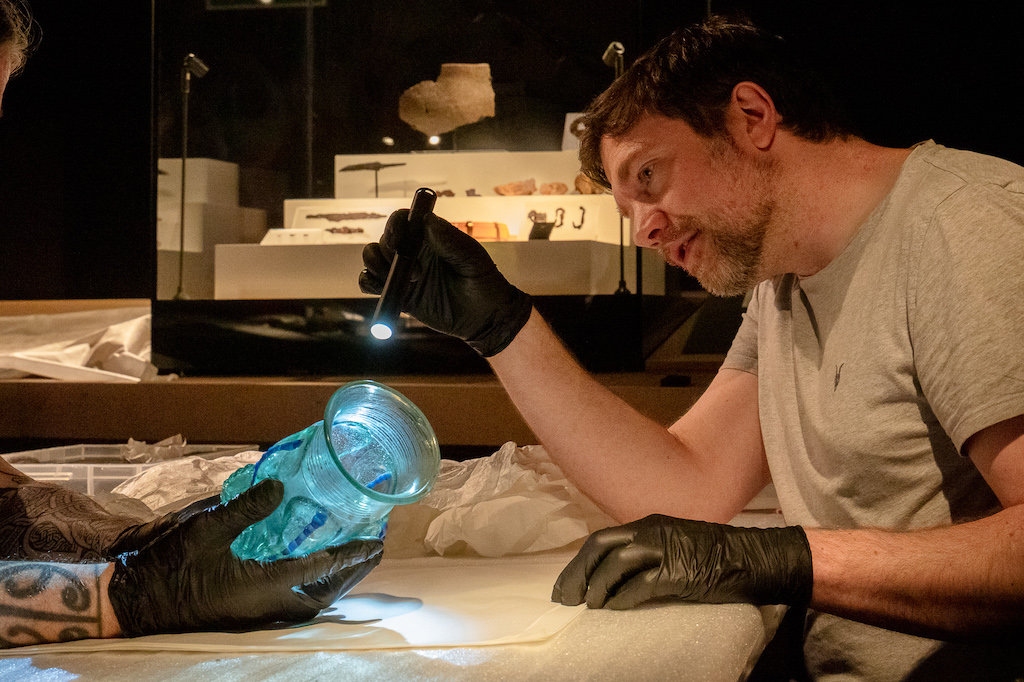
342 476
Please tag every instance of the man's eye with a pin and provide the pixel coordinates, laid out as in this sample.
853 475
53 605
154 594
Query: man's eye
645 174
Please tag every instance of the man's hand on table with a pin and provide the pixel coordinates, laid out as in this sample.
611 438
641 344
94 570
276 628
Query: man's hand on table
661 556
188 579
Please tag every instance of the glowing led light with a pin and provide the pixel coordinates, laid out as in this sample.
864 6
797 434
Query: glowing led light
388 141
381 331
434 139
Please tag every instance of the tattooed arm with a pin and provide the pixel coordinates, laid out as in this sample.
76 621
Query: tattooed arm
47 522
49 602
41 524
185 580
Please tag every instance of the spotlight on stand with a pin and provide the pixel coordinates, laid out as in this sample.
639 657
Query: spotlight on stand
192 66
613 57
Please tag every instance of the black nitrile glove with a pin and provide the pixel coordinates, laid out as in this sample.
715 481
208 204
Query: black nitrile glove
661 556
457 290
189 579
335 586
138 535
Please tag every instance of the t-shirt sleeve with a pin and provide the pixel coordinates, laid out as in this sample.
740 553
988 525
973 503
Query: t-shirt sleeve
967 309
742 354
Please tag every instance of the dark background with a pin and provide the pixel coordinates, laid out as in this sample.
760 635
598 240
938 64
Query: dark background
79 132
76 214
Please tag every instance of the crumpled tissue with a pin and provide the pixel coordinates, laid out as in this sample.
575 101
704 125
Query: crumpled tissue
516 501
111 345
139 451
177 483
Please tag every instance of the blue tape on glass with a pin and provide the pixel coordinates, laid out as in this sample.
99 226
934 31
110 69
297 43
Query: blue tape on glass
283 446
319 519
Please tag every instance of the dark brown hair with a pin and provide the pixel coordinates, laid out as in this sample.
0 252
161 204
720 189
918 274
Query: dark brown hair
690 75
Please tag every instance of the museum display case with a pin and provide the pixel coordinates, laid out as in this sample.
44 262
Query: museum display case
296 156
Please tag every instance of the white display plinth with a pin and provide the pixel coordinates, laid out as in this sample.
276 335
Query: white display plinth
211 216
581 216
209 181
459 172
541 268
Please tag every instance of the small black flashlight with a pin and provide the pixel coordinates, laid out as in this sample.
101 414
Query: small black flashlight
407 247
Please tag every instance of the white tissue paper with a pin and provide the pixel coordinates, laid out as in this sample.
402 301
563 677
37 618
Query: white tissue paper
517 501
408 604
177 483
139 451
110 345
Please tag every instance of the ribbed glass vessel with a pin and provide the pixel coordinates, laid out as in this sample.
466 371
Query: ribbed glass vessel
342 476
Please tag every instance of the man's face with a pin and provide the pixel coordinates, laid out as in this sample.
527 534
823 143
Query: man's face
697 200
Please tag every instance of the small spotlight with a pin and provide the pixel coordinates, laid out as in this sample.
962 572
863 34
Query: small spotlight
388 141
434 140
381 331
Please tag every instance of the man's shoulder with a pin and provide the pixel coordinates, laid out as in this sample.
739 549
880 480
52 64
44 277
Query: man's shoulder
965 168
943 184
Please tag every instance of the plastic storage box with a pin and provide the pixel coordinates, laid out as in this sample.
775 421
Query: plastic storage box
94 469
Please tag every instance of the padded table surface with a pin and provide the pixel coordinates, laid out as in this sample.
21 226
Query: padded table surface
657 642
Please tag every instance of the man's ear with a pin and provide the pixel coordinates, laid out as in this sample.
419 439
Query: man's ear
752 117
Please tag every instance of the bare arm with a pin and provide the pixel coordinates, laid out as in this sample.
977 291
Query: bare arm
962 580
628 464
48 602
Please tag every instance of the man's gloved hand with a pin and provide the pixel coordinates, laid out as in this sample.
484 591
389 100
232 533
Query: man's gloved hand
661 556
457 290
188 579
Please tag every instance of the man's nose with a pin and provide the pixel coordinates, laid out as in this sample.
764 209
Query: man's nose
648 227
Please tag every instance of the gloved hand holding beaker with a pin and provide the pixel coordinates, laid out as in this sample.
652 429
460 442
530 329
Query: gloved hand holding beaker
456 288
188 579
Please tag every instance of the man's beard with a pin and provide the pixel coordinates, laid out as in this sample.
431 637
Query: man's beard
734 236
730 263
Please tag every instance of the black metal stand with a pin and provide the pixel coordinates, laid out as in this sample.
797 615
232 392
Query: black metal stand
192 66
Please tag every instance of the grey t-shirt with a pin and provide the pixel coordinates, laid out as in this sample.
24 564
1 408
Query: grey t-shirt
873 373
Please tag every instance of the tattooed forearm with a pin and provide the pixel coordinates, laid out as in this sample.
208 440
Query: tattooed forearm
45 522
49 602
